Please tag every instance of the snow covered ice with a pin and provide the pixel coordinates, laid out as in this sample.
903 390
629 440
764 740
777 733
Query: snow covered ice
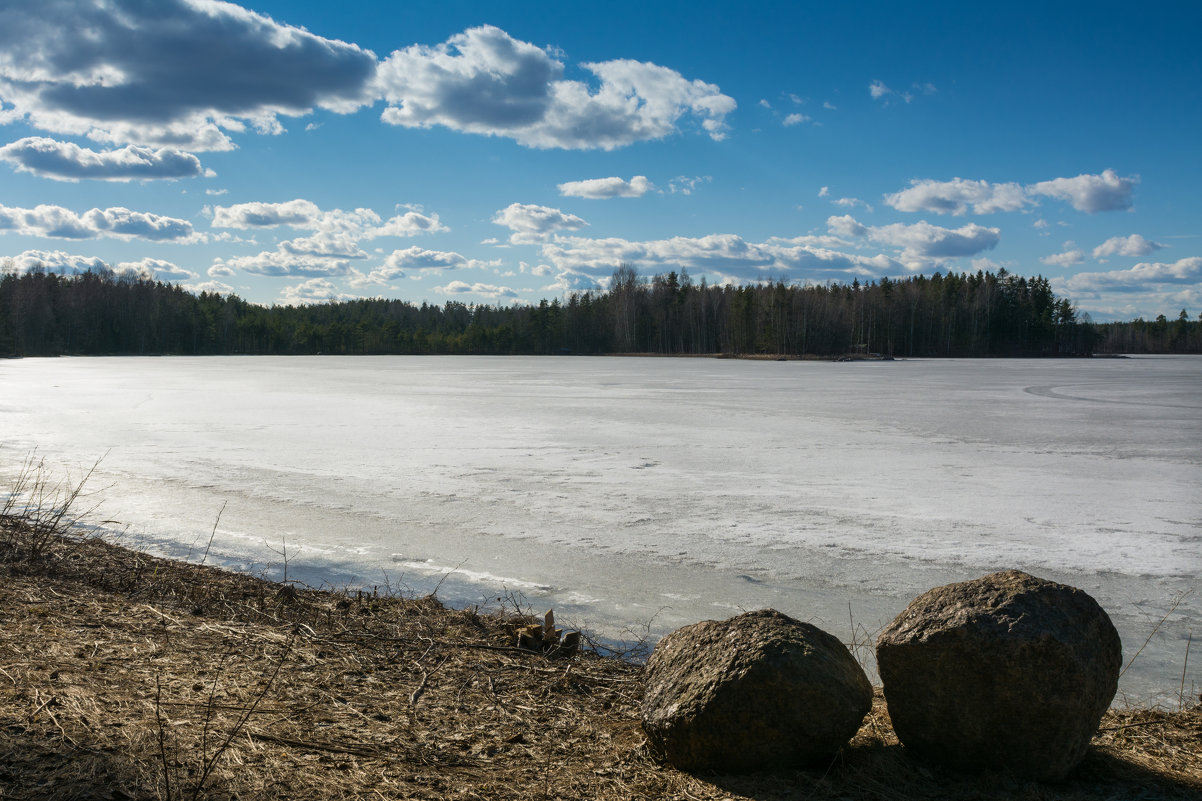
636 492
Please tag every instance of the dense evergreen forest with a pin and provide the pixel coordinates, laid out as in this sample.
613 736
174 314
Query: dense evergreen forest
45 314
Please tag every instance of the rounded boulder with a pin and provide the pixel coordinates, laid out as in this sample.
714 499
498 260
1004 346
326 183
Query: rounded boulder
1008 673
760 691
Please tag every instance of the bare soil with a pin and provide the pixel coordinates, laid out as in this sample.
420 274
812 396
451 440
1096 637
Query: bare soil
124 676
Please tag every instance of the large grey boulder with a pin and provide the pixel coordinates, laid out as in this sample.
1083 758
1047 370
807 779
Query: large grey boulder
760 691
1008 672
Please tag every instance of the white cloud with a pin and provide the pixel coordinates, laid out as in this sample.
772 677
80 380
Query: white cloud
410 223
1090 193
957 196
280 263
296 213
116 222
400 262
921 243
531 223
851 203
333 225
484 81
315 290
155 270
483 290
129 72
607 187
572 281
880 91
824 191
325 244
1068 258
846 226
220 271
212 287
684 184
66 161
1134 246
725 255
1142 276
57 261
795 119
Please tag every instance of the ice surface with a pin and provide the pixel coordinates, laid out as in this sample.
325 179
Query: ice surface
632 493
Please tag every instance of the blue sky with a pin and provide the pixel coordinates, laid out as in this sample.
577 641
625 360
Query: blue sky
295 151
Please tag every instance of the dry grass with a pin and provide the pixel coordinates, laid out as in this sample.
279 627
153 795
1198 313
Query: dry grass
125 676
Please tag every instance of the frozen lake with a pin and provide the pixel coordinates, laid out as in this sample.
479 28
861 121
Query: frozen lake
630 493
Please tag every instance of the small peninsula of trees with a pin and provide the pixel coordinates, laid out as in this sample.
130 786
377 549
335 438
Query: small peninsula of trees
968 315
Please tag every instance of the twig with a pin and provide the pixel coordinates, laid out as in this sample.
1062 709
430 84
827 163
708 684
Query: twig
242 719
1156 628
214 533
421 688
158 719
332 748
1181 690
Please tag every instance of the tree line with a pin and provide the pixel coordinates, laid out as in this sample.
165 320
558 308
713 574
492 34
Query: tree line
44 313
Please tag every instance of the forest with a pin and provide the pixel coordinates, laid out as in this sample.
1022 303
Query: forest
985 314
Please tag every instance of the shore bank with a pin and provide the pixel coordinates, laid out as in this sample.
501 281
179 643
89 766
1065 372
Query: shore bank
128 676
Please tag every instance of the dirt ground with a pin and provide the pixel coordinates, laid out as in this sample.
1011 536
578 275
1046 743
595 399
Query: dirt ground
123 676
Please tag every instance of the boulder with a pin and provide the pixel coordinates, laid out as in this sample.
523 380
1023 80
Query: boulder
760 691
1007 673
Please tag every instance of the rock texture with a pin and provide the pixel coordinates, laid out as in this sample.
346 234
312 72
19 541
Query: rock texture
760 691
1008 672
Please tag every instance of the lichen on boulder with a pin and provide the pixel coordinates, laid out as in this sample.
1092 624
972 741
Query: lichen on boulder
1008 672
760 691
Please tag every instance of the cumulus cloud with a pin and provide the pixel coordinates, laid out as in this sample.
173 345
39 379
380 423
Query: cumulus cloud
572 281
851 203
117 222
1068 258
66 161
212 287
172 73
155 270
325 244
280 263
483 290
57 261
726 255
957 196
607 187
1134 246
296 213
1140 277
531 223
921 242
1090 193
400 263
315 290
306 215
795 119
484 81
846 226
